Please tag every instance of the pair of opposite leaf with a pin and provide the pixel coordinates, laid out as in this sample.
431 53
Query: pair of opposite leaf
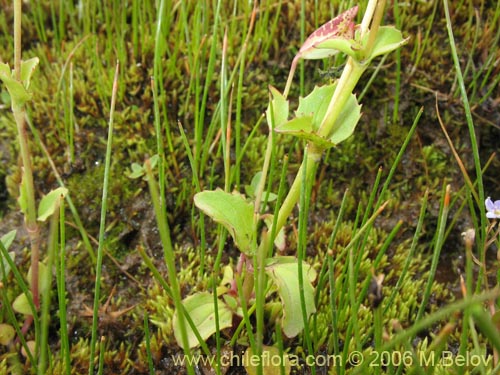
337 35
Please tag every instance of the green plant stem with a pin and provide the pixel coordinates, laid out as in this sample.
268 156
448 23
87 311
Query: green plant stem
61 291
164 231
102 226
294 192
45 313
345 86
17 38
27 183
474 144
438 245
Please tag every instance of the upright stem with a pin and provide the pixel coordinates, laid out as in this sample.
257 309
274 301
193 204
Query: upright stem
345 86
27 183
17 38
348 80
313 157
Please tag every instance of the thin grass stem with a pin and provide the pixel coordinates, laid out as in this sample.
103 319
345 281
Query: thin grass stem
102 226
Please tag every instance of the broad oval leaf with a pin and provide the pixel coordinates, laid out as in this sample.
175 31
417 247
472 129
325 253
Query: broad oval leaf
7 333
346 122
301 127
50 203
311 112
233 212
21 305
388 39
284 273
332 46
18 93
200 307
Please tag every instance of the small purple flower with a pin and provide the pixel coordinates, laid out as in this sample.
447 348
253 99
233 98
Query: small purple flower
493 209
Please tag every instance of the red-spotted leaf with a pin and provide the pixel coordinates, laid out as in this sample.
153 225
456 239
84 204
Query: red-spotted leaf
339 31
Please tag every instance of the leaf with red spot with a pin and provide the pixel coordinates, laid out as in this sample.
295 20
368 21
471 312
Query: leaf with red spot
339 31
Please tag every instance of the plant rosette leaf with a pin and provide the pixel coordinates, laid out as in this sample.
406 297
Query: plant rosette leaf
311 112
50 203
272 362
21 305
284 272
233 212
140 170
200 307
7 333
388 39
337 35
277 110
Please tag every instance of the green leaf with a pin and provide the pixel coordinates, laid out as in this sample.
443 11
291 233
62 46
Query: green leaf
6 265
5 69
277 110
27 69
388 39
18 93
137 171
332 46
7 333
21 305
251 189
43 280
311 112
301 127
272 362
8 238
279 241
140 170
233 212
284 272
200 307
316 104
346 122
50 203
